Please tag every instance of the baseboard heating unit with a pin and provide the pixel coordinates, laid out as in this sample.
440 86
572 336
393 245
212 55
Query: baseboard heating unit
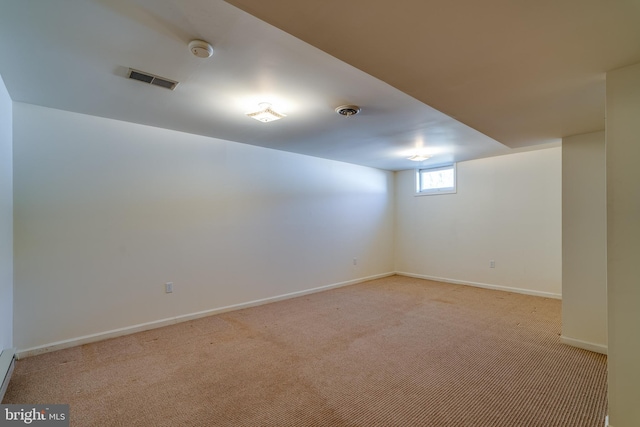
7 363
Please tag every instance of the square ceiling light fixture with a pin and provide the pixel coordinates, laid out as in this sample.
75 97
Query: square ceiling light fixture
419 157
266 113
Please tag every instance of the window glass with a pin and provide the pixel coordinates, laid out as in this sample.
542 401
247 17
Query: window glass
439 180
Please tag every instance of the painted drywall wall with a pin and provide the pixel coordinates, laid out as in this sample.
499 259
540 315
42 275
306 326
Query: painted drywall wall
506 209
623 244
584 242
6 219
106 212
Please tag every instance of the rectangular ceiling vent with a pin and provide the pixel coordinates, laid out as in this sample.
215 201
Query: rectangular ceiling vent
152 79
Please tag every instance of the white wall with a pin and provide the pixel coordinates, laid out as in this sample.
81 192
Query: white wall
6 220
507 209
584 242
106 212
623 244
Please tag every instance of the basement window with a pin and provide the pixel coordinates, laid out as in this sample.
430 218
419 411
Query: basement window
438 180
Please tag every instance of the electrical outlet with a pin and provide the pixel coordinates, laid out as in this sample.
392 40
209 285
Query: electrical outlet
492 264
355 261
168 287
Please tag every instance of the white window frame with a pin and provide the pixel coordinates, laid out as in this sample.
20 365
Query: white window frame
434 191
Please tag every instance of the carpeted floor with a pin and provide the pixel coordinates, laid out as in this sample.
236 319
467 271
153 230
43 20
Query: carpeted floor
390 352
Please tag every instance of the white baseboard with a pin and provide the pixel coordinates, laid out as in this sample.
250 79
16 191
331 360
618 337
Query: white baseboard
483 285
585 345
7 363
86 339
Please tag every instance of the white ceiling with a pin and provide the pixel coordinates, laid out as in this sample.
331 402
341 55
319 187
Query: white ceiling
74 55
522 72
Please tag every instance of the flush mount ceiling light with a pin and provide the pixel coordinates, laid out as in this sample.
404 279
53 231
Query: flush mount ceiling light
419 157
201 48
266 113
348 110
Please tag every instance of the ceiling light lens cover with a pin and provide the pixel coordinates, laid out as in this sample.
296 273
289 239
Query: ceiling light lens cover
419 157
267 114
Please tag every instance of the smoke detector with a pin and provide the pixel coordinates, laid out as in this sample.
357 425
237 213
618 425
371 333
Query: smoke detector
348 110
201 48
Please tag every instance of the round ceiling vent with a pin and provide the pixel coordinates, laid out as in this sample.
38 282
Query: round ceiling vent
201 48
348 110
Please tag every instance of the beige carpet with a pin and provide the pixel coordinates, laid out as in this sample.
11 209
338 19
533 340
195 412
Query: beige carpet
391 352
